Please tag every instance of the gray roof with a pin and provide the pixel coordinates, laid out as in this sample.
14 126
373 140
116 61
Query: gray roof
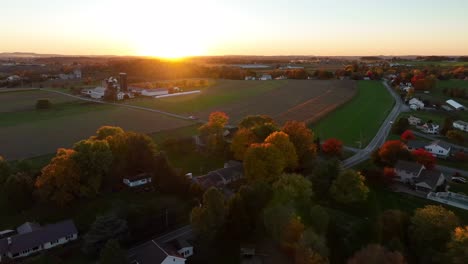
460 122
430 177
416 144
443 144
38 236
215 178
408 166
147 253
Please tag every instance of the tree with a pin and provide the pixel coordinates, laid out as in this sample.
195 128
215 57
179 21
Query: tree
275 218
284 145
213 131
292 233
456 135
107 131
262 131
388 175
306 255
301 137
241 142
400 126
448 125
254 120
238 224
317 243
407 136
332 147
376 254
112 253
263 162
208 219
320 219
323 176
424 157
392 227
431 228
349 187
60 179
392 151
42 104
458 246
18 190
292 188
103 229
5 170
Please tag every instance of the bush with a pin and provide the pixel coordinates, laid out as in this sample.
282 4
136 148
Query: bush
43 104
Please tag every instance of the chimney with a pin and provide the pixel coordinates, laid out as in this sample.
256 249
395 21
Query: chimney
9 240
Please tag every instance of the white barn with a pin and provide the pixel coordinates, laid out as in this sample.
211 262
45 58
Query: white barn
461 125
137 180
455 104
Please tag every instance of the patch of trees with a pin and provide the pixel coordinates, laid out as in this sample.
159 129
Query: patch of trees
456 92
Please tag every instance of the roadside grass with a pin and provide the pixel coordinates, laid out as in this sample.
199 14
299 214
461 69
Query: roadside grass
359 119
223 92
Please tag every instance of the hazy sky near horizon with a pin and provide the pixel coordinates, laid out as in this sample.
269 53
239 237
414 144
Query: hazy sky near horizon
173 28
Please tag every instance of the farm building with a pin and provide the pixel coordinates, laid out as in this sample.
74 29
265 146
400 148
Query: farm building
416 104
250 78
31 238
461 125
414 121
455 104
266 77
96 93
154 92
137 180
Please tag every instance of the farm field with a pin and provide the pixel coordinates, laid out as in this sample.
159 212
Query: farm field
359 119
436 63
28 133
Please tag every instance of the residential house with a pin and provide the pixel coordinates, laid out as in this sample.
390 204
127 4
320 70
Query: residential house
414 121
32 238
416 174
415 144
439 149
416 104
137 180
462 125
153 253
455 104
13 78
250 78
407 171
266 77
430 128
232 171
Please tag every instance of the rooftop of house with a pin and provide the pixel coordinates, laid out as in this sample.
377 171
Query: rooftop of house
408 166
460 122
150 252
416 144
138 177
232 169
430 177
37 236
440 143
454 104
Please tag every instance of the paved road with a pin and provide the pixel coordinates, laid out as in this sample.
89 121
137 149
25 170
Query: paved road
121 105
381 135
432 137
185 231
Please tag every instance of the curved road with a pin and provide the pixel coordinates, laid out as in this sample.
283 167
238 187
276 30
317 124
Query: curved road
381 135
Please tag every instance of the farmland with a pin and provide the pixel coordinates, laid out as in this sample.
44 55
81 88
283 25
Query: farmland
360 119
26 132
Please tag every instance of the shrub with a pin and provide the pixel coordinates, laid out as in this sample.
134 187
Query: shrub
43 104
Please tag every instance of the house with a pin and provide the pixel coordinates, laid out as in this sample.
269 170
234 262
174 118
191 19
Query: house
439 149
232 171
454 104
137 180
407 171
415 144
32 238
250 78
13 78
416 104
430 128
414 121
429 181
96 93
153 253
154 92
446 108
266 77
462 125
76 74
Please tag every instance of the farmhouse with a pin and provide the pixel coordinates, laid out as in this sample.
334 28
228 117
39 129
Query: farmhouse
265 77
414 121
417 175
152 252
416 104
137 180
455 104
32 238
232 171
462 125
439 149
430 128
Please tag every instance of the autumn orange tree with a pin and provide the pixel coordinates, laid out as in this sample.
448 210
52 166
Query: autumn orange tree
241 141
407 135
332 147
263 162
213 131
458 246
301 137
377 254
284 145
392 151
424 157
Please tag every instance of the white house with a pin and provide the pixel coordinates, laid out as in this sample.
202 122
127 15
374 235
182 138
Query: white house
154 92
430 128
462 125
407 171
32 238
153 252
13 78
137 180
266 77
416 104
416 174
455 104
439 149
250 78
414 121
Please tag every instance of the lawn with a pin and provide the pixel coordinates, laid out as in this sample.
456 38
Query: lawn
359 119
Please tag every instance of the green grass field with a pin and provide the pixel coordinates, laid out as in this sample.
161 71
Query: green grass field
222 92
359 119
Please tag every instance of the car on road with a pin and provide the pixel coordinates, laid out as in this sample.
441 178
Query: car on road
459 180
193 117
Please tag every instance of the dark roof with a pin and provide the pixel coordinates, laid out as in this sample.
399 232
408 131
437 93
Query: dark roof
216 178
408 166
430 177
138 177
3 246
416 144
39 236
151 252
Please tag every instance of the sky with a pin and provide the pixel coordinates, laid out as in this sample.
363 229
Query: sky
175 28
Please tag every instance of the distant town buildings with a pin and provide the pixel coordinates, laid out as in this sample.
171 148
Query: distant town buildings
76 74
